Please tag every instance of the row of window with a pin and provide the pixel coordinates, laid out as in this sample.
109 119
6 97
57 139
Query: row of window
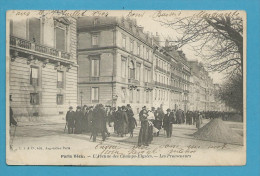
134 71
35 99
184 76
135 93
164 95
162 64
160 94
34 77
141 50
162 79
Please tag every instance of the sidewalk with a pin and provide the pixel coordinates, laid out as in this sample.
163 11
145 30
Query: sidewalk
43 120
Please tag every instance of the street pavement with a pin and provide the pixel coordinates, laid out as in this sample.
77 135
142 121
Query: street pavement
52 134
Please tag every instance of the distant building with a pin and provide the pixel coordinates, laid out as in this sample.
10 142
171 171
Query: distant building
162 64
203 95
42 65
180 78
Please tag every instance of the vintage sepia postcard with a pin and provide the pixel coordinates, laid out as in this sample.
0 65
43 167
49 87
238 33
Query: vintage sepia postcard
151 87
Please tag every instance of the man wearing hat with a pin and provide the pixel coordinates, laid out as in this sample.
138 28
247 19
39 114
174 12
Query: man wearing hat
70 120
78 120
85 119
167 123
158 119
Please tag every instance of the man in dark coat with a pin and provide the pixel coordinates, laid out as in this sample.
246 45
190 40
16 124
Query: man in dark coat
188 117
195 116
132 125
70 120
99 122
78 120
158 120
89 117
167 123
178 116
131 119
85 118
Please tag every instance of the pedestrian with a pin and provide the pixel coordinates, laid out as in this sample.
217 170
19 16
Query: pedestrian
167 123
85 118
89 116
151 119
143 134
195 116
111 120
117 120
70 120
158 120
198 120
78 120
12 120
123 122
132 125
107 119
173 116
189 118
179 116
130 115
99 122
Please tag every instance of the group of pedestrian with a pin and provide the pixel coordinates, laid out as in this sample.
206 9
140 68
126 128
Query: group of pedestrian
105 120
101 119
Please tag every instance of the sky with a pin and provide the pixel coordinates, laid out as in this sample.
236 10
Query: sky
154 27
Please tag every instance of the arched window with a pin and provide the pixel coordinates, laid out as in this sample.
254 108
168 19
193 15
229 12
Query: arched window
132 70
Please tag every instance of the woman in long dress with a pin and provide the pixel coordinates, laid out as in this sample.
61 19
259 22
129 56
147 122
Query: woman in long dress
123 122
144 137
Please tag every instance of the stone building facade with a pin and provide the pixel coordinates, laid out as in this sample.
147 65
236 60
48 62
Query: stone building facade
120 64
42 65
115 60
203 96
162 77
180 78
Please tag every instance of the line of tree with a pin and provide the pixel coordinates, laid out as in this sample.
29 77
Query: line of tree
219 41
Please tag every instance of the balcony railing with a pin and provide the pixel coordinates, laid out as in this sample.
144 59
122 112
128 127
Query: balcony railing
162 85
133 81
94 78
29 45
160 69
148 84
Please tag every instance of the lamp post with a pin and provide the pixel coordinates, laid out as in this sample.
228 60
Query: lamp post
81 95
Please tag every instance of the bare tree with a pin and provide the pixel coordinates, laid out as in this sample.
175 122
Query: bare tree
217 39
231 93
